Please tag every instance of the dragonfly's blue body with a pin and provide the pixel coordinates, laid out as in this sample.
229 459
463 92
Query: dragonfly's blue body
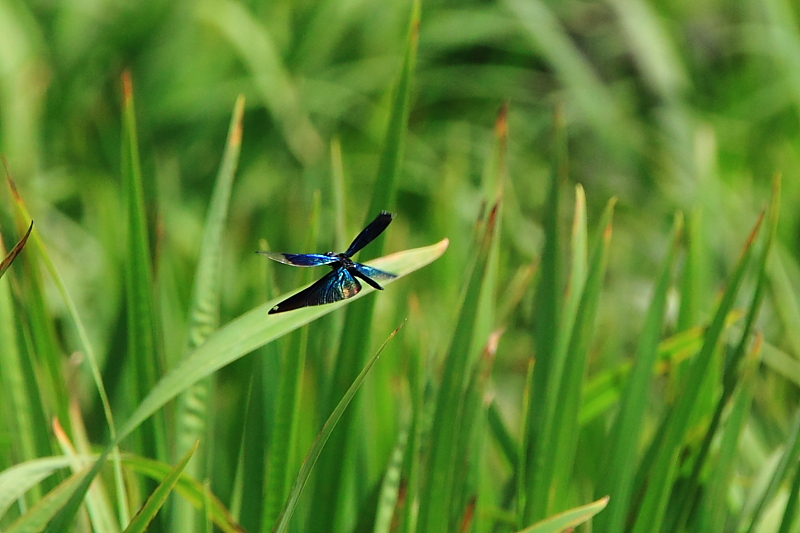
342 281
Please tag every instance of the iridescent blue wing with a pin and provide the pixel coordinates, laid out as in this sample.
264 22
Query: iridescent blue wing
300 260
336 285
370 274
369 233
373 272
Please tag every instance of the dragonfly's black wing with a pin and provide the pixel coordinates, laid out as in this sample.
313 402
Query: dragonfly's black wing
369 233
336 285
300 260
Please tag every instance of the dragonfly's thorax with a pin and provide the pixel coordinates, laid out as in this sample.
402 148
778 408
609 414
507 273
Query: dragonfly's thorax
341 260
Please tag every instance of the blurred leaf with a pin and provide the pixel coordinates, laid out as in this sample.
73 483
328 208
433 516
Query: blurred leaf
553 43
278 90
16 480
660 474
37 517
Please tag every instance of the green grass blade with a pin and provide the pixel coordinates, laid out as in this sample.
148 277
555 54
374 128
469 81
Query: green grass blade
282 458
193 405
143 350
10 256
238 338
568 519
355 347
567 409
147 513
661 474
437 506
100 510
188 488
626 433
282 524
544 461
547 318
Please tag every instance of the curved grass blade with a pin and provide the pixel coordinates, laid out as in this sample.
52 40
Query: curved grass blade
148 511
18 479
568 519
282 524
204 316
101 513
10 256
189 489
238 338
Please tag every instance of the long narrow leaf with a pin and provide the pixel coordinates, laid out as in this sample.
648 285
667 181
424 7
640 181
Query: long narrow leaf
285 515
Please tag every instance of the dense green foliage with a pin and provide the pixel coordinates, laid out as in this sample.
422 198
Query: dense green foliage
614 311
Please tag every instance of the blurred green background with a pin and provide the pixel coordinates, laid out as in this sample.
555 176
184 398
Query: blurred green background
668 106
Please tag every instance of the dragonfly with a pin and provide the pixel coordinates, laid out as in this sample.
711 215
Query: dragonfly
342 281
